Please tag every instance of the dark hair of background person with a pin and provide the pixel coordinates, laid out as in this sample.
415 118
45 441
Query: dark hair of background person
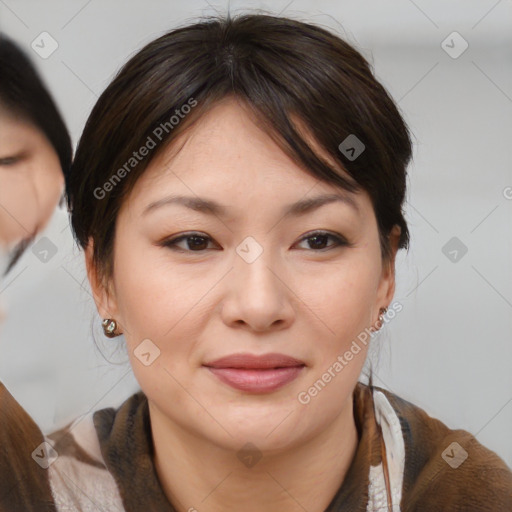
24 95
279 68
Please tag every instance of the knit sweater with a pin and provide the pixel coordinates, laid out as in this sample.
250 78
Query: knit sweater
103 461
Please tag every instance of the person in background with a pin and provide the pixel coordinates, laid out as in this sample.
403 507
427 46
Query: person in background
35 155
35 152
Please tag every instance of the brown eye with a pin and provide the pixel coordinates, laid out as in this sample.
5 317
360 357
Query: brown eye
197 242
319 239
194 242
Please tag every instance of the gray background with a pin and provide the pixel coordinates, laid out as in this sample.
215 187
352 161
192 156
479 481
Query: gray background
449 350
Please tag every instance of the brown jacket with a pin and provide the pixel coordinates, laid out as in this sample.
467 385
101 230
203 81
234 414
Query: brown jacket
103 461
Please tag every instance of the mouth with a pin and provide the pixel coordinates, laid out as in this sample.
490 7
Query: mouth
256 374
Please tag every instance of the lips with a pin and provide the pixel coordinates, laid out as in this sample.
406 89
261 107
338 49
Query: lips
256 374
250 361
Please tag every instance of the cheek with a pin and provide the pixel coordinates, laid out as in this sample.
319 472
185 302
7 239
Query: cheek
343 302
157 300
152 304
19 215
29 193
48 181
342 295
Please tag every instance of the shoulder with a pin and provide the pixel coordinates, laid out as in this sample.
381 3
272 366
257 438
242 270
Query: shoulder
77 471
447 469
69 468
24 481
88 464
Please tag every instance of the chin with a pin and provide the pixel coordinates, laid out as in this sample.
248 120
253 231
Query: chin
269 428
257 439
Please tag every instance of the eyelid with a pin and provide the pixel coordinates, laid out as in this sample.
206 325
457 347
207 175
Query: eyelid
9 160
341 241
171 243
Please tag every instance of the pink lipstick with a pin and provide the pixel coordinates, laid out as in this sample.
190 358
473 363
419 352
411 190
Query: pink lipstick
256 374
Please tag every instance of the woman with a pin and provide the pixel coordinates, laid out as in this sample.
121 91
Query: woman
35 153
238 193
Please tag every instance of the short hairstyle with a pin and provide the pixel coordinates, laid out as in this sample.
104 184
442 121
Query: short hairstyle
280 68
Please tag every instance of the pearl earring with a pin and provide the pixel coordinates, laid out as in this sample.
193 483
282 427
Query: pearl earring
109 327
382 312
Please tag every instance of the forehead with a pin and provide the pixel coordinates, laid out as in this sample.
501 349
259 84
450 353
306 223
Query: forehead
226 154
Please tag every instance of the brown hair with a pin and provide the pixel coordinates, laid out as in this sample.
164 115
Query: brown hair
280 68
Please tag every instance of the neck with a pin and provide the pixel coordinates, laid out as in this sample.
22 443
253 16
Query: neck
197 475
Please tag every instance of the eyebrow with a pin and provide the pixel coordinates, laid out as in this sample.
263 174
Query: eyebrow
210 207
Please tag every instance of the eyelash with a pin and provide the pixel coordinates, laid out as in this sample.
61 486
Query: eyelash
172 243
8 160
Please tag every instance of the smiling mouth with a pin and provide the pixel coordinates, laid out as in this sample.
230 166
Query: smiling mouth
256 374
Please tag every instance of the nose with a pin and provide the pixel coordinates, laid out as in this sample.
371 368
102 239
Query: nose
257 296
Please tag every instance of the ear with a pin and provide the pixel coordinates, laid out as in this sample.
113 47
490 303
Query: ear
102 289
386 288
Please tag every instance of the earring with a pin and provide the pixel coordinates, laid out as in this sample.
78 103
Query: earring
109 327
382 312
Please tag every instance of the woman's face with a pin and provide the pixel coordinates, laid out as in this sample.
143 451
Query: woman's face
31 179
252 280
